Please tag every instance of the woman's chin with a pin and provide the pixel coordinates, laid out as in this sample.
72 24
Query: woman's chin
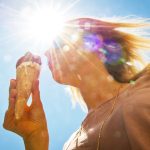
65 79
61 80
57 78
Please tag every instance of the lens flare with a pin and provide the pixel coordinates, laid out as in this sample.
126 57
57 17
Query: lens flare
41 25
35 24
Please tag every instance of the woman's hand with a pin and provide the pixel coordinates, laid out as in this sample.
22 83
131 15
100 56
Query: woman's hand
32 127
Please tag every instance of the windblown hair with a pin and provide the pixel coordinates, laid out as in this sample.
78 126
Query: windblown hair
134 45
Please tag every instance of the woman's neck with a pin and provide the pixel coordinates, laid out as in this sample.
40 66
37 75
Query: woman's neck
98 88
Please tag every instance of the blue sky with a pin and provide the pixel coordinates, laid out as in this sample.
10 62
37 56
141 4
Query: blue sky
61 117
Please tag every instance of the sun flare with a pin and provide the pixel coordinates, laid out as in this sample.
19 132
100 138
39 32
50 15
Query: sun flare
42 24
36 24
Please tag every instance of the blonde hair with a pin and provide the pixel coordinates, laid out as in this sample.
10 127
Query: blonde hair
134 37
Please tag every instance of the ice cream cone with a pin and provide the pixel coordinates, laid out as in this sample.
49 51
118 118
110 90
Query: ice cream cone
27 72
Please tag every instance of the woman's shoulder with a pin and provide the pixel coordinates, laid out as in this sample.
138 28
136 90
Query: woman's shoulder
136 114
137 99
134 104
138 91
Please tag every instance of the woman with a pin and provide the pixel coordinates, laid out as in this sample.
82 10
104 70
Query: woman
99 62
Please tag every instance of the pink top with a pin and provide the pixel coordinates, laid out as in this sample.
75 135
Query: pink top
128 127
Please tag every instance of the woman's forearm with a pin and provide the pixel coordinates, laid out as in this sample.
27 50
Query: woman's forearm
37 141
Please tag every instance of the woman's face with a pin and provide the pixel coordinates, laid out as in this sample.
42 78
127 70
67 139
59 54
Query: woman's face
69 64
77 52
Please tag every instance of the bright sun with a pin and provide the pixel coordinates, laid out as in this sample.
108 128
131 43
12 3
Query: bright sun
37 24
41 25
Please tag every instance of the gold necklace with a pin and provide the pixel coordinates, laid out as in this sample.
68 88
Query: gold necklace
104 121
100 126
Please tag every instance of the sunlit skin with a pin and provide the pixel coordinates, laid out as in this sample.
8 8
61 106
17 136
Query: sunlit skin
70 66
32 127
85 71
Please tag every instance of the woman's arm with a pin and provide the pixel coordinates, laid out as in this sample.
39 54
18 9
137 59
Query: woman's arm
32 127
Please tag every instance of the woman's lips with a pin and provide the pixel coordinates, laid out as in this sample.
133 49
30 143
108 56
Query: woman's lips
50 64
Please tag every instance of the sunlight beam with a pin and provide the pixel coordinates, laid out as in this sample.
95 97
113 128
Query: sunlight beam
42 24
37 24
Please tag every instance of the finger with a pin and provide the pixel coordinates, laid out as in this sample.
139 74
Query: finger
36 100
12 102
12 94
12 98
13 84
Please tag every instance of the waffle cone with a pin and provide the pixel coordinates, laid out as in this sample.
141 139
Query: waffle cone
26 74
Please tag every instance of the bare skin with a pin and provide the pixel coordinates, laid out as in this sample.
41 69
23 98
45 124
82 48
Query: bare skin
74 67
87 73
32 127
